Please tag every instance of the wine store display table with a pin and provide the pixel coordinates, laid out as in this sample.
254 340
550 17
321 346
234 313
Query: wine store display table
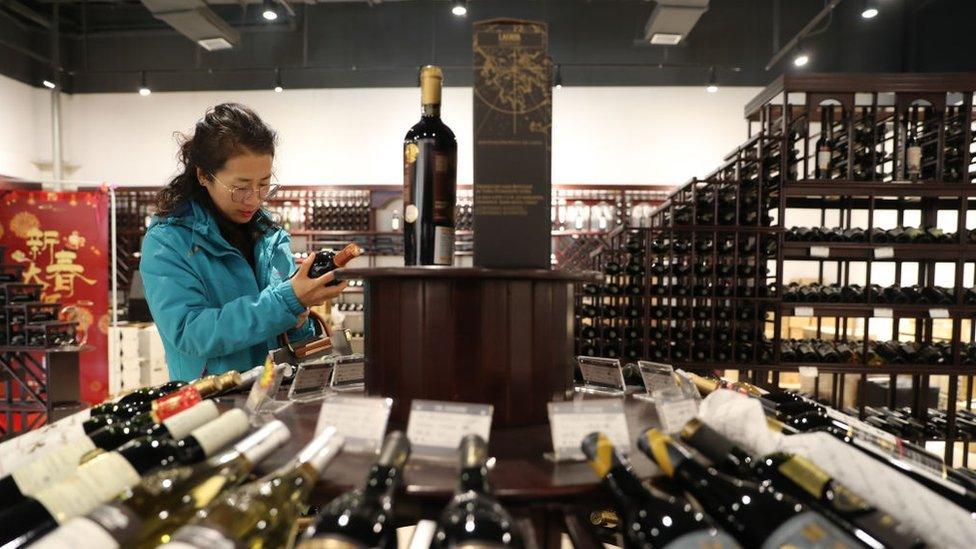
496 336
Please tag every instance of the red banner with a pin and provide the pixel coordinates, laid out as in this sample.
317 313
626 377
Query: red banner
61 240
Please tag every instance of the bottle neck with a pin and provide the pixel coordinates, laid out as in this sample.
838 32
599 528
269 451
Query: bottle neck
474 479
432 110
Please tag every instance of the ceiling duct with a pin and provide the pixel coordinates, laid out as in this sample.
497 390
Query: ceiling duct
672 20
193 19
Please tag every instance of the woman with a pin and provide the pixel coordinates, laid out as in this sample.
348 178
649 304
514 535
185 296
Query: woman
215 266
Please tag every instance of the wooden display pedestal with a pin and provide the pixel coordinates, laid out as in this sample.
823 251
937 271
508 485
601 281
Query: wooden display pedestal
500 337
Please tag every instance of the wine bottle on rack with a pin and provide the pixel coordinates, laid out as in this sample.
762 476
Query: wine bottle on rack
913 156
429 180
648 519
243 517
364 516
757 515
109 474
147 514
473 517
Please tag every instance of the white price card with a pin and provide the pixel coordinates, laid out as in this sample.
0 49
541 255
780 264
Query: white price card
435 428
803 311
570 422
360 420
883 312
656 375
674 409
808 371
310 381
886 252
601 374
819 251
348 371
938 313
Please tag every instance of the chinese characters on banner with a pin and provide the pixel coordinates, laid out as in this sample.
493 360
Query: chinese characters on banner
61 240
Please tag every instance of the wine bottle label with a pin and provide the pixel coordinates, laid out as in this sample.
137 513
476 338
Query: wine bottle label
445 187
913 159
216 434
78 533
808 530
51 467
98 481
443 246
175 403
823 159
196 536
181 424
14 453
703 539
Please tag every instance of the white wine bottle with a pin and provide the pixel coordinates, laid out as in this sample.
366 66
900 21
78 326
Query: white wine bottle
148 514
261 514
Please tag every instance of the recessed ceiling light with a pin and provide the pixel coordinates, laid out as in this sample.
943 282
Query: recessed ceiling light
460 8
215 44
270 12
665 39
870 10
801 60
48 84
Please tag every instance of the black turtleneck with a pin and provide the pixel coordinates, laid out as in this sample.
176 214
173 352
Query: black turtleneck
239 235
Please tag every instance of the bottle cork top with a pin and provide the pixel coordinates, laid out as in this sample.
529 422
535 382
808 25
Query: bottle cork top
431 80
347 254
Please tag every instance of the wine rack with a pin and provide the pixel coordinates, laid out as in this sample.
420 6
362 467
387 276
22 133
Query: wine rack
837 241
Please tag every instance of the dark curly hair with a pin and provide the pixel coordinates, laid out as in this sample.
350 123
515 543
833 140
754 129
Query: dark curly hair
225 131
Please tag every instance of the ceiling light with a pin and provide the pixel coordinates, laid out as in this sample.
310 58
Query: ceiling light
557 80
712 86
278 88
801 59
270 12
665 39
143 88
215 44
870 9
49 85
460 8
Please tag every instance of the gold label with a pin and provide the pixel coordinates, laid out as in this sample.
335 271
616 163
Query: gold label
410 153
511 37
805 474
603 460
848 501
658 442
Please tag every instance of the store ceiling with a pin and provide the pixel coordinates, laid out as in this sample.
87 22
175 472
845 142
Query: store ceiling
106 44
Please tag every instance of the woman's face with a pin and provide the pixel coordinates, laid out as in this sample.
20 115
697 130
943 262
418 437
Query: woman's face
237 188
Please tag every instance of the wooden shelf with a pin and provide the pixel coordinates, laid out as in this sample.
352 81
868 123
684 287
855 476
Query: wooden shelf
865 310
866 251
840 187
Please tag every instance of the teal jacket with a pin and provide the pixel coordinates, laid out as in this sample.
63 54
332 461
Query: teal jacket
211 309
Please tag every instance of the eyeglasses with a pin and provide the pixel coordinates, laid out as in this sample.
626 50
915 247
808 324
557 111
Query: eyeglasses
237 194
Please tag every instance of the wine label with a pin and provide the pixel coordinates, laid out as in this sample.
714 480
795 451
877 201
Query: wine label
808 530
913 159
823 159
193 536
262 442
805 474
181 424
175 403
98 481
704 539
27 446
443 245
78 533
220 432
51 467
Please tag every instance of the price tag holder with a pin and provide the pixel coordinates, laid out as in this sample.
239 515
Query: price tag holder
435 428
310 382
803 311
656 376
570 422
601 375
348 373
938 313
808 371
674 409
687 386
260 401
360 420
884 313
819 251
886 252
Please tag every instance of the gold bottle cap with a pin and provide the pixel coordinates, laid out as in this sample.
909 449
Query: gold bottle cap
206 386
431 80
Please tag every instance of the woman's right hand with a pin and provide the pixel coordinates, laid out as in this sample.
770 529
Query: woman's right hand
314 291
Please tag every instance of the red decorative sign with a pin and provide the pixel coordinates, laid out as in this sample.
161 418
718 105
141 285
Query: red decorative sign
61 240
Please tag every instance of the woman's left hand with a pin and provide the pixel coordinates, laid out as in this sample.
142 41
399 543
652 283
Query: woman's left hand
302 318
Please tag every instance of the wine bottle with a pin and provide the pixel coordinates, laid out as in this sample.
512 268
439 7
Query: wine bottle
364 516
473 517
262 513
804 480
198 389
141 395
825 153
326 261
148 513
109 474
756 514
913 156
429 180
62 462
646 519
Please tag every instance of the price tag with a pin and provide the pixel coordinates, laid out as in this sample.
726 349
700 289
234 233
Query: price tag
884 253
348 372
570 422
310 381
656 376
938 313
435 428
360 420
265 388
803 311
819 251
674 409
602 375
884 313
808 371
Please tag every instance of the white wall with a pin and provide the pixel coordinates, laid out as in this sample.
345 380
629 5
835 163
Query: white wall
660 135
22 110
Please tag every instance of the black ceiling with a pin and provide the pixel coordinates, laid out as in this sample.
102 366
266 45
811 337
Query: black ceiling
106 43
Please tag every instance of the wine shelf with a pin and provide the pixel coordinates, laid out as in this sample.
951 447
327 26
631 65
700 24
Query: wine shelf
867 251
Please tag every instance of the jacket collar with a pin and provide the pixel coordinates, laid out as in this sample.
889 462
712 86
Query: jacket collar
206 233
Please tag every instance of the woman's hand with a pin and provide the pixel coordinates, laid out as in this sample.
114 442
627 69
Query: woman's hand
313 291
